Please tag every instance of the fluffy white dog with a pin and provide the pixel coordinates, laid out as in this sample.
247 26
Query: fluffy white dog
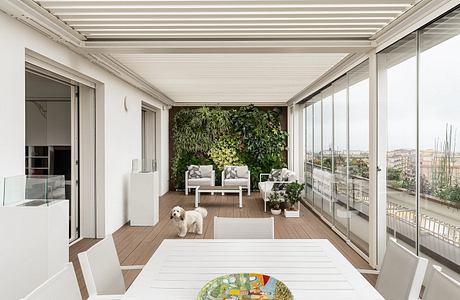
188 221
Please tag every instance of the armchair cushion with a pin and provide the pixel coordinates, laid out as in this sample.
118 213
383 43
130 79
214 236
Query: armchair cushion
206 171
287 175
230 172
275 175
242 172
199 181
194 171
236 182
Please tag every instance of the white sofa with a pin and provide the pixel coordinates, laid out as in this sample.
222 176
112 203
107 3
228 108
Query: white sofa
197 176
237 176
269 182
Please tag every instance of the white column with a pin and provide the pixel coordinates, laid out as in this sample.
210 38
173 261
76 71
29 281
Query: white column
291 136
296 140
377 209
300 147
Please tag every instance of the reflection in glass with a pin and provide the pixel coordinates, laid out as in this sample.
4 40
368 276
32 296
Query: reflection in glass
327 159
340 154
397 72
439 142
308 152
317 145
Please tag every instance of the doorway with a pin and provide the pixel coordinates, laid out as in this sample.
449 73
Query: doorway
52 136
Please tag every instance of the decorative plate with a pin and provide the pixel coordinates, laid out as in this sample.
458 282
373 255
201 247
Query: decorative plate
245 286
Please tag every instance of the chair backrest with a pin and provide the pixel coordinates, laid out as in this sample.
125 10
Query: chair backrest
101 269
62 285
441 286
244 228
402 273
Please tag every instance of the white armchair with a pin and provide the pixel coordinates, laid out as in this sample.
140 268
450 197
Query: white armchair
274 181
237 176
197 176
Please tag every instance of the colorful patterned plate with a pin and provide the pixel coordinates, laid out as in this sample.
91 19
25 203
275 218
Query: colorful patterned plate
245 286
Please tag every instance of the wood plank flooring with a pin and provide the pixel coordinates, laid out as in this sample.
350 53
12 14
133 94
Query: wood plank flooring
135 245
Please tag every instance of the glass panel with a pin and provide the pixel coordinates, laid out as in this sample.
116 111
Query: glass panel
340 155
327 161
359 156
439 126
33 190
309 152
397 73
317 155
145 165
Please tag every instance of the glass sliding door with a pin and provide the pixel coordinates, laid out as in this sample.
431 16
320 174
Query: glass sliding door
52 137
308 163
327 151
317 152
340 195
337 122
439 141
397 79
358 185
419 142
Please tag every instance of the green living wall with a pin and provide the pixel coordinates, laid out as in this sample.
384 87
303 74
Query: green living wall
212 135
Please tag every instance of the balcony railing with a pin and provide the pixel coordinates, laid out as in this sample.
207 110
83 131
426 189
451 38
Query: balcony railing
437 237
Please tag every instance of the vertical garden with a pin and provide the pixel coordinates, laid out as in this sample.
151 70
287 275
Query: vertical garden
243 136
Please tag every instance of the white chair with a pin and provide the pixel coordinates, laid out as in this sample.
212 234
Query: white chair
402 273
282 177
240 177
62 285
102 271
244 228
441 286
206 176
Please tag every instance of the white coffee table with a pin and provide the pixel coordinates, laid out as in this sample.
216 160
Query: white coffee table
218 189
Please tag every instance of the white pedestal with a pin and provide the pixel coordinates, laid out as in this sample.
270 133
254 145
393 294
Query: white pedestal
34 246
144 199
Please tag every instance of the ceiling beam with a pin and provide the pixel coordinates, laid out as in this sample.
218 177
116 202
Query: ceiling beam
419 15
229 46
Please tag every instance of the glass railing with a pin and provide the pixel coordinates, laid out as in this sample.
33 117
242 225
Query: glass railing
440 237
33 190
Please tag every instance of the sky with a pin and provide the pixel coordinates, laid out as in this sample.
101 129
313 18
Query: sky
439 96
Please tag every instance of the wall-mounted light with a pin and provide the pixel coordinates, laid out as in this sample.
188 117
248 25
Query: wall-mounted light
125 103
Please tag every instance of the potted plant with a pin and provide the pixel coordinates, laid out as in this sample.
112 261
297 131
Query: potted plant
274 201
293 195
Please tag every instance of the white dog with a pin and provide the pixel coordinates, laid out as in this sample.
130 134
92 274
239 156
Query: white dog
189 221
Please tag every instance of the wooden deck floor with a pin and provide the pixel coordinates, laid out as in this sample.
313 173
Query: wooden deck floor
135 245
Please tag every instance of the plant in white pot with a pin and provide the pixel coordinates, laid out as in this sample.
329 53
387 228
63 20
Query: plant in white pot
292 196
274 201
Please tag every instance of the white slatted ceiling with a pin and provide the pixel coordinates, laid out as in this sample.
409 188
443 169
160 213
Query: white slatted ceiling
150 19
230 78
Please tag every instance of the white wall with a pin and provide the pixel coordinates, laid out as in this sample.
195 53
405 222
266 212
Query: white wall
121 135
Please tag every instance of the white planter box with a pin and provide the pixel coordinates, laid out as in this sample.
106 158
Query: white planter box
144 199
291 213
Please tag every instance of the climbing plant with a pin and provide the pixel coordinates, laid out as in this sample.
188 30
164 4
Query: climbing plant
244 136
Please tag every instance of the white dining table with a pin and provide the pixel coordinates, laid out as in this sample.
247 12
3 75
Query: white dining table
311 268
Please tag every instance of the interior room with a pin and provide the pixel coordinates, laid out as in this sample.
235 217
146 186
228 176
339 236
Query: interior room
230 149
